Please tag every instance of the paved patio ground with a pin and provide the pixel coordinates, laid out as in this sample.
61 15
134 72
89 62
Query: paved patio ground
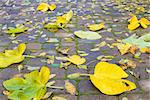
115 16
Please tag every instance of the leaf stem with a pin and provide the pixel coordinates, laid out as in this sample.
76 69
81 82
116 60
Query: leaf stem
85 74
29 56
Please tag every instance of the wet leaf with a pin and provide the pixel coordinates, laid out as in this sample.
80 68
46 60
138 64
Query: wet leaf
108 79
12 56
87 35
70 87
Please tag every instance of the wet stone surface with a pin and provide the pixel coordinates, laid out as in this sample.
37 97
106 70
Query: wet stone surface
13 12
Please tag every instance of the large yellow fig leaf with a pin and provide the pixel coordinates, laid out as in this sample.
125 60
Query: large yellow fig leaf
77 60
108 79
12 56
96 27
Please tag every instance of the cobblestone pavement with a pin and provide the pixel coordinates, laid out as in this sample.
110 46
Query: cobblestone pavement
14 12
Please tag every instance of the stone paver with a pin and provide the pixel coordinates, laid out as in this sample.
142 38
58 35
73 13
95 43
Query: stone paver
86 12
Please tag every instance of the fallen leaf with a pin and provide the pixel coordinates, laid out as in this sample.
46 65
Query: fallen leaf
87 35
70 87
108 79
19 29
126 63
52 7
32 86
77 60
82 66
58 98
64 19
123 48
73 76
47 95
140 42
145 50
12 56
96 27
135 23
43 7
144 22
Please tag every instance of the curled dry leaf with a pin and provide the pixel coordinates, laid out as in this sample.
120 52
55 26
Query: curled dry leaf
108 79
70 87
126 63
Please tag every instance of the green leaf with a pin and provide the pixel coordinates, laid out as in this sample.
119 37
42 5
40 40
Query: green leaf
141 42
14 83
82 66
32 77
12 30
51 26
18 95
87 35
40 93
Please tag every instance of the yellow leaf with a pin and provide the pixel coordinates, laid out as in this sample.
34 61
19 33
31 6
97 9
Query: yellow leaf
12 56
52 7
69 15
133 19
61 20
134 23
133 26
107 78
44 74
145 50
77 60
123 48
70 87
144 22
96 27
43 7
64 19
